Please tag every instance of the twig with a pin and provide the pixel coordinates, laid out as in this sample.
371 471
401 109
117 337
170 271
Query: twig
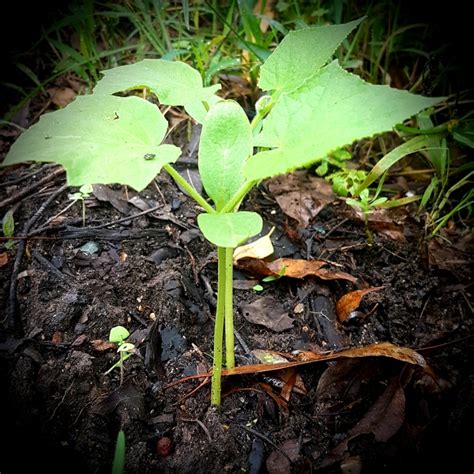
125 219
11 318
16 197
201 424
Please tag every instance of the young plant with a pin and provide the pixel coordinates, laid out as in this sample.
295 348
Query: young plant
312 106
118 335
83 193
8 227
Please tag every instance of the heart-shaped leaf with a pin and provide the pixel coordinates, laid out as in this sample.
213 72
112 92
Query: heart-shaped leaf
300 54
230 230
331 109
100 139
226 143
173 82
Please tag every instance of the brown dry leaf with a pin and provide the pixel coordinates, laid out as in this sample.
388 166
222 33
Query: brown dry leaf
100 345
3 259
57 337
381 221
301 195
383 419
116 198
268 312
278 463
448 256
267 13
351 301
260 248
383 349
61 96
292 268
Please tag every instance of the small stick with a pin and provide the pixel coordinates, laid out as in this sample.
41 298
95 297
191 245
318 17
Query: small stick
16 197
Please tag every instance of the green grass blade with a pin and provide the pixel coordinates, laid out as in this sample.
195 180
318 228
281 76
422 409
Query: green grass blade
412 146
119 456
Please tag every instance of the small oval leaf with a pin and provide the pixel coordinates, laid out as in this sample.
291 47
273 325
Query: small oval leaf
230 230
226 143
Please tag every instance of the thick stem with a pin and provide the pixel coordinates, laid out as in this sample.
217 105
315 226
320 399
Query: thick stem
189 189
219 327
229 310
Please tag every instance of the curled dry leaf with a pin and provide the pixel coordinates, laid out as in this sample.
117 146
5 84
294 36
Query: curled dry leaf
351 301
100 345
279 461
261 248
292 268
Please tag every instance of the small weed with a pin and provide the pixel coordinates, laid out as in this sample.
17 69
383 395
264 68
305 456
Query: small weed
118 335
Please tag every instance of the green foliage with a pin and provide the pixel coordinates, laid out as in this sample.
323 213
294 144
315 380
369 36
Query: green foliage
100 139
173 82
226 143
230 230
119 454
118 335
331 109
8 227
312 110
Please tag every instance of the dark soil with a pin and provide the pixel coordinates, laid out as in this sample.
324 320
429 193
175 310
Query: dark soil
156 276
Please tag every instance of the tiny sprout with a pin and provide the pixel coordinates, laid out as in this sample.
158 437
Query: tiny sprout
83 193
118 335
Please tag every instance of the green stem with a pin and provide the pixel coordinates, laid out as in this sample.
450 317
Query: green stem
189 189
229 310
219 327
237 197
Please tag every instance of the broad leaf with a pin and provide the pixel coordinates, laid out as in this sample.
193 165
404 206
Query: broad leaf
100 139
300 54
331 109
229 230
226 143
173 82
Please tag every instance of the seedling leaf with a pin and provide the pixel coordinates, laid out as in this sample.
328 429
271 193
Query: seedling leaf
226 142
300 54
118 334
94 136
174 83
331 109
230 230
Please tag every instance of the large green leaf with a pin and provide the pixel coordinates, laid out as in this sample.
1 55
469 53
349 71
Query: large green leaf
331 109
100 139
230 230
173 82
300 54
226 143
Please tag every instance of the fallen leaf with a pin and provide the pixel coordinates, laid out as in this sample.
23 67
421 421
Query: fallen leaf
260 248
3 259
383 419
57 337
381 221
351 301
116 198
279 461
292 268
100 345
301 195
448 256
268 312
61 96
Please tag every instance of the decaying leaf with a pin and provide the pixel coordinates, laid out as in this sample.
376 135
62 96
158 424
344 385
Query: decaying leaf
260 248
279 461
267 312
292 268
100 345
383 349
382 221
351 301
61 96
301 195
383 419
3 259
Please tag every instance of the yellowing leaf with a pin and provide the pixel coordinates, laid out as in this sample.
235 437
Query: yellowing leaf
260 248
